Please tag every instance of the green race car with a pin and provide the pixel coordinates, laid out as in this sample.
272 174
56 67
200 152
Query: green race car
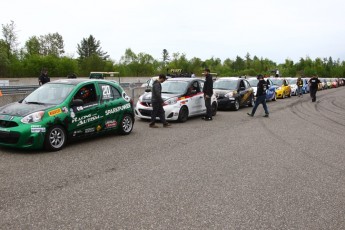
63 110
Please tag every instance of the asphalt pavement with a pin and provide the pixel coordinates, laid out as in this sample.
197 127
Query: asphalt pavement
235 172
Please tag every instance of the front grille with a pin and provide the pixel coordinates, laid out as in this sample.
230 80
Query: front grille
146 104
145 112
9 137
7 124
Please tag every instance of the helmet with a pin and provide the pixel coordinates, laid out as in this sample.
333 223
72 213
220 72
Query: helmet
84 93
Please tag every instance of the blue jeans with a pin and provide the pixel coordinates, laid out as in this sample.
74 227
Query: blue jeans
260 100
299 91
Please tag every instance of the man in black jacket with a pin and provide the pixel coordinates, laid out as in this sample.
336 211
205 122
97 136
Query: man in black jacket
157 103
43 78
208 92
313 87
260 96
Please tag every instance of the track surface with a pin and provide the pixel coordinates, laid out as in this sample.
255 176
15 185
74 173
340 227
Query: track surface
235 172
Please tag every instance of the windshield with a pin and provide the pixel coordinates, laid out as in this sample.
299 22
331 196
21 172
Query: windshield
293 81
225 84
174 87
49 94
277 81
253 82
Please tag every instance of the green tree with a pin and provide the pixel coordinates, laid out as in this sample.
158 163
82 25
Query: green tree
51 44
89 47
10 39
32 46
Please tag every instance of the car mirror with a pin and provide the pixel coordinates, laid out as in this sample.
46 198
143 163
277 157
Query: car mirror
77 102
147 90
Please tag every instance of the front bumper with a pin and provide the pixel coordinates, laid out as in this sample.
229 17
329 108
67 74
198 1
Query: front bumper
226 102
23 136
145 111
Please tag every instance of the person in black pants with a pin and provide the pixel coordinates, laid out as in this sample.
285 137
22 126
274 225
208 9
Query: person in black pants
208 92
260 96
313 86
157 103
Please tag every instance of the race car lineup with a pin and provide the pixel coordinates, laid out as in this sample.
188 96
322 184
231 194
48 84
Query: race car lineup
64 110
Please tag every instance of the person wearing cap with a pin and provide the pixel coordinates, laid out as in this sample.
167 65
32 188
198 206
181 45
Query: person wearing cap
157 103
313 86
208 92
260 96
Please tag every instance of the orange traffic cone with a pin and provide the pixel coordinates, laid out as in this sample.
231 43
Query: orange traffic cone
0 93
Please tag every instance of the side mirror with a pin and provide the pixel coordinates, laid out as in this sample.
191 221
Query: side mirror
77 102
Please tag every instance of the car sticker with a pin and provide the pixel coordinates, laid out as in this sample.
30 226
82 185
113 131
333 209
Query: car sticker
86 119
126 97
72 113
98 128
55 112
110 124
37 129
117 109
106 92
65 109
90 130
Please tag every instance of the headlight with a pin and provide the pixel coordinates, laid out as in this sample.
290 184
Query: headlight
33 117
231 94
279 88
171 101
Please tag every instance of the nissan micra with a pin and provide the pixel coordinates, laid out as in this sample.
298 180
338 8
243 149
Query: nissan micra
183 98
63 110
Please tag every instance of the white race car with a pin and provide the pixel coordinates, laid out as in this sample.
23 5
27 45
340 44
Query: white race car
183 98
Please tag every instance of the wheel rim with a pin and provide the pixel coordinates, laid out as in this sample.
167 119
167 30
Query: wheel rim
57 138
127 124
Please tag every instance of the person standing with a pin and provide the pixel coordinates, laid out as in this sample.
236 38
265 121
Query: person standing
208 92
313 86
157 103
192 75
299 84
43 78
260 96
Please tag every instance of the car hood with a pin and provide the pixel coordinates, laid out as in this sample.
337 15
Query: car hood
222 92
147 96
21 109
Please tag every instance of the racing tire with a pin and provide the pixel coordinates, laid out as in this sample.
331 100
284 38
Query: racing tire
214 108
126 125
237 105
55 138
251 101
183 114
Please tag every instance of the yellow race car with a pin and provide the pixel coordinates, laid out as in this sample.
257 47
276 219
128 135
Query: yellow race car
284 89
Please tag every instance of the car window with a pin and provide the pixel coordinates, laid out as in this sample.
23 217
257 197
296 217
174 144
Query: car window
87 93
247 85
109 92
242 84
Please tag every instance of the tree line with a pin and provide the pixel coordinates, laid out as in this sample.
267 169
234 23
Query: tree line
47 51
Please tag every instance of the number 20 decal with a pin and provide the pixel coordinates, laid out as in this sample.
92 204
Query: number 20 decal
106 91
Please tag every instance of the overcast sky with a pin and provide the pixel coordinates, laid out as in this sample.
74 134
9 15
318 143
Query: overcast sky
273 29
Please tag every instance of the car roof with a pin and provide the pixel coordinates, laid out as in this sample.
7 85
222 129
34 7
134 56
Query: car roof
186 79
78 80
229 78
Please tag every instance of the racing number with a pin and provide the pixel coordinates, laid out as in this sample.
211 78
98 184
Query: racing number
106 91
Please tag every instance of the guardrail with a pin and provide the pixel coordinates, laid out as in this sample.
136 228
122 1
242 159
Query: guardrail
24 89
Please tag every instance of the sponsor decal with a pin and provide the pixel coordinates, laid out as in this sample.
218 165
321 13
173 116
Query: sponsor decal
99 128
110 124
72 113
77 133
90 130
126 97
55 112
80 108
38 129
85 119
64 109
117 109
